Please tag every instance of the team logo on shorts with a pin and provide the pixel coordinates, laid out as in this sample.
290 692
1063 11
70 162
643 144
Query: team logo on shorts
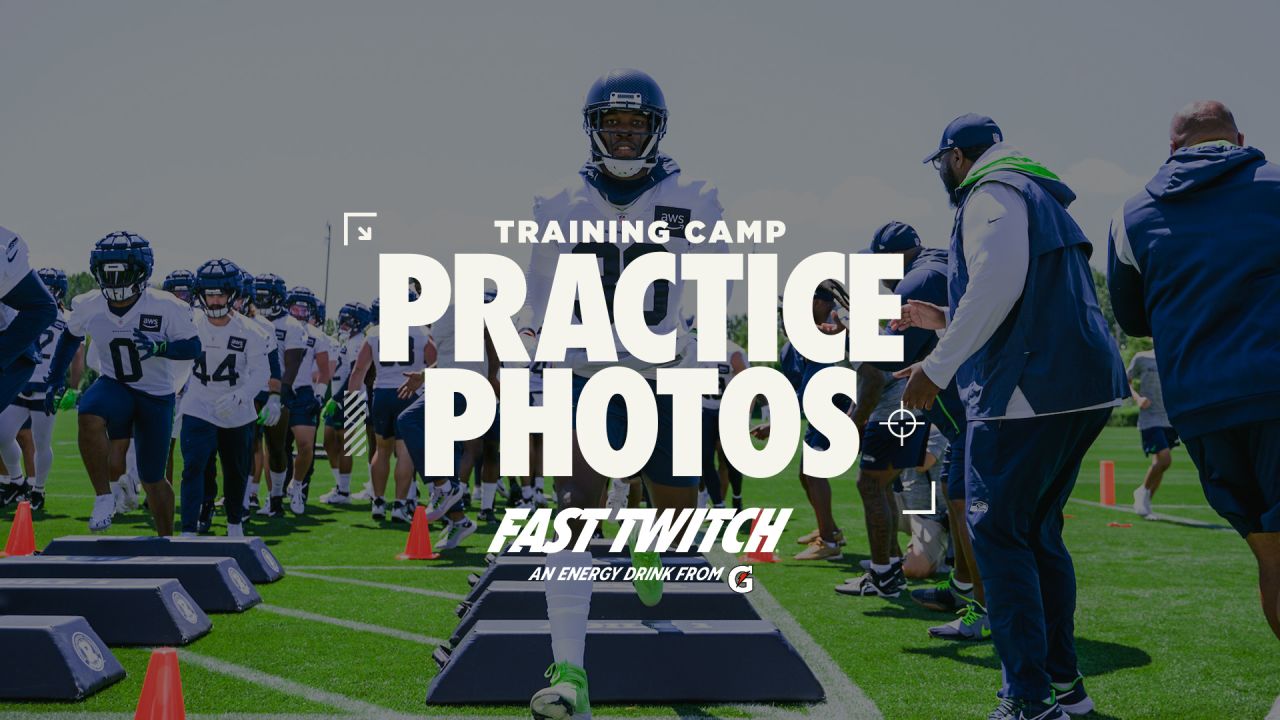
236 343
238 580
675 218
187 612
740 580
978 507
88 652
149 323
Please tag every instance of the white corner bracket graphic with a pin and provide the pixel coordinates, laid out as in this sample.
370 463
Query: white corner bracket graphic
364 233
933 502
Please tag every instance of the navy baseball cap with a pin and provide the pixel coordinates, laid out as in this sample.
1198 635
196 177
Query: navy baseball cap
968 130
894 237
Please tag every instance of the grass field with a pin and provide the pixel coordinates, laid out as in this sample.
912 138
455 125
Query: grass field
1168 624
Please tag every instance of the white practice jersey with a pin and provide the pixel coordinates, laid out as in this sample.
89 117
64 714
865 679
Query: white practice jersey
292 335
724 371
14 263
183 375
347 354
444 335
269 329
112 348
676 200
390 375
323 344
47 343
233 360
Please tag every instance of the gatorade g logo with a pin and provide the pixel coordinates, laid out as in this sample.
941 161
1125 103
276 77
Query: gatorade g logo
238 580
187 612
675 218
740 580
270 560
88 652
149 323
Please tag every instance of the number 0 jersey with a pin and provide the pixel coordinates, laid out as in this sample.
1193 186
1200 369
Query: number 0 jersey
390 375
675 200
233 359
112 348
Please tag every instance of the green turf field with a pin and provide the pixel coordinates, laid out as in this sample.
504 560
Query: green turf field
1168 624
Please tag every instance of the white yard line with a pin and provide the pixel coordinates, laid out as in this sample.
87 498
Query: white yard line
375 585
844 698
1275 711
352 625
472 568
1159 517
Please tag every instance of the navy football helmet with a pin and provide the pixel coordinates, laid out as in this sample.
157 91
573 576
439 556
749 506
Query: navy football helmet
301 303
373 311
353 318
121 263
219 278
56 281
269 292
181 283
624 90
320 311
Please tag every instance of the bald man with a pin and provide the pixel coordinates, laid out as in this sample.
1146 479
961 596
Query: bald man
1195 263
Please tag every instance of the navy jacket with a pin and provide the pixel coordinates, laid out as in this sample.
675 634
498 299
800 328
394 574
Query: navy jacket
1194 262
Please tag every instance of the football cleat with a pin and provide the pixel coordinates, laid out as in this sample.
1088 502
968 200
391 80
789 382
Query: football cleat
366 493
648 589
235 530
104 508
566 697
14 492
539 498
128 487
820 549
379 509
972 625
449 496
36 498
273 508
1017 709
942 597
336 497
1074 700
399 513
205 524
456 532
619 490
737 503
808 538
488 517
297 503
872 583
1142 501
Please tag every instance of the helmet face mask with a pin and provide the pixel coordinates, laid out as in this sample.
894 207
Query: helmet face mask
121 264
217 286
302 304
56 281
625 117
269 294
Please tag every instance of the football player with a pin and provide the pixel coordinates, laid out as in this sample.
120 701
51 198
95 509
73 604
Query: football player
218 405
26 310
390 398
270 292
35 406
353 319
625 178
179 283
144 340
304 415
713 484
267 401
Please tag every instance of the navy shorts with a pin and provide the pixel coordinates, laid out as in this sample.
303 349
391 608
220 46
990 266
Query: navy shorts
384 410
1155 439
129 413
1240 473
658 468
14 378
882 450
304 409
813 437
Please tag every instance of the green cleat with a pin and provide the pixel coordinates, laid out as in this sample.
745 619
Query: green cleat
648 589
566 697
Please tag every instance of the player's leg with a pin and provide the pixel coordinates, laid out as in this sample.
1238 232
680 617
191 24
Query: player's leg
303 415
277 454
385 448
446 492
1266 548
28 447
339 462
106 412
199 442
710 439
732 477
234 449
42 436
489 476
11 421
153 425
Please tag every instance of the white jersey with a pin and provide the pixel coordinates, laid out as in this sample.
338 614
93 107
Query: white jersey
113 350
269 329
233 360
675 199
346 358
323 344
14 263
48 342
184 374
390 375
292 335
724 372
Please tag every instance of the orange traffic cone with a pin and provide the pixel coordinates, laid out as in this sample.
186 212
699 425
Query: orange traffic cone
162 688
22 536
418 546
758 555
1107 482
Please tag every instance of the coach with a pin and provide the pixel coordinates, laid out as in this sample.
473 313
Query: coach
1039 373
1195 263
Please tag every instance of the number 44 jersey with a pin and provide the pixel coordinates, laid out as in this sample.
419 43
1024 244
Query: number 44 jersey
233 361
112 347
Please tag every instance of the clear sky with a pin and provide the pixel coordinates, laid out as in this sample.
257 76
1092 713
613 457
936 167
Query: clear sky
238 129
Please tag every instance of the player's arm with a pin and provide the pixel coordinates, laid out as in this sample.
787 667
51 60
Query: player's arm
324 372
77 367
276 372
914 339
430 354
63 354
36 311
737 362
1124 282
292 363
871 382
361 368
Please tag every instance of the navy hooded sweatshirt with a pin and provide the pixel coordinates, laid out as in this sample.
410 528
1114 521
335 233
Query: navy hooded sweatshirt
1194 262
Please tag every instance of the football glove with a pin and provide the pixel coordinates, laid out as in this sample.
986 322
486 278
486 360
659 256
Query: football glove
270 414
148 347
330 408
226 406
68 399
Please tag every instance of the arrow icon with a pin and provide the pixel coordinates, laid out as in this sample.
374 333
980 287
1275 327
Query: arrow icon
363 233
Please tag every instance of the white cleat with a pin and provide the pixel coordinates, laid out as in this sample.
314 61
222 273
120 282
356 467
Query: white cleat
456 532
449 497
1142 501
235 530
335 497
539 499
618 491
130 488
400 512
365 494
104 507
296 502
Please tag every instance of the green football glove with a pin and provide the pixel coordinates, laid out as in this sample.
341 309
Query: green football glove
330 408
69 398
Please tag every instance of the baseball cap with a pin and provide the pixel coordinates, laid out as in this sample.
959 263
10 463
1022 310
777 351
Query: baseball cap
894 237
968 130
